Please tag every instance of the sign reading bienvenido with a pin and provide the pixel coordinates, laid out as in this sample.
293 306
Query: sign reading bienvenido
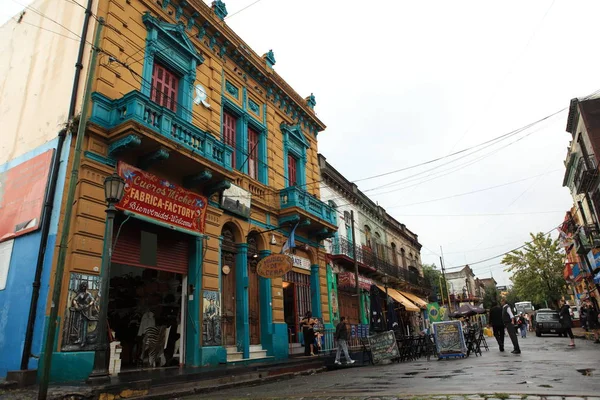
274 266
159 199
383 346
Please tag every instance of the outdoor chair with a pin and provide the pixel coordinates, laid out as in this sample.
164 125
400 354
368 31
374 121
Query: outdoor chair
481 340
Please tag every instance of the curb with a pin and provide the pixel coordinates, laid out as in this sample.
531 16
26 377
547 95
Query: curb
231 385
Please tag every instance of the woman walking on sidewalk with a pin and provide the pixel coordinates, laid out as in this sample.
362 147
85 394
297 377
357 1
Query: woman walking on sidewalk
566 321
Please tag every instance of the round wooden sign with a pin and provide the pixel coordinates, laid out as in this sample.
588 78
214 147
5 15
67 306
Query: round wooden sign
274 266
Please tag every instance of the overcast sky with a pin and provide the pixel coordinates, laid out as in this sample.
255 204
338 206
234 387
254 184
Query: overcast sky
399 83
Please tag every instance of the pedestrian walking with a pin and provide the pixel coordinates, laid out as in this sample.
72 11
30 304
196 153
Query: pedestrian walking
308 333
565 320
592 321
522 324
508 319
583 316
342 335
497 324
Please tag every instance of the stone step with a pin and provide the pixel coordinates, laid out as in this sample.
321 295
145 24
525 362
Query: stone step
256 347
237 356
231 349
258 354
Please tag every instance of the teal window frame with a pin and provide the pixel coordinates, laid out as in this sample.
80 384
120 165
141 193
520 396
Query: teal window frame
241 153
169 45
296 145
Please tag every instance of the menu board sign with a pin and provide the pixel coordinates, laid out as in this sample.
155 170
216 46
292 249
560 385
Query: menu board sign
449 339
383 346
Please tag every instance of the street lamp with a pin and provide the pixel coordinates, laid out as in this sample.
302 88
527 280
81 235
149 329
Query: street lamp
114 187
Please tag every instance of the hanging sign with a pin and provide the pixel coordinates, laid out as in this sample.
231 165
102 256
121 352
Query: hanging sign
348 280
159 199
274 266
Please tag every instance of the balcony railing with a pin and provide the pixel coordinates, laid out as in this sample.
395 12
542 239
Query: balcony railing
369 258
586 174
293 196
135 106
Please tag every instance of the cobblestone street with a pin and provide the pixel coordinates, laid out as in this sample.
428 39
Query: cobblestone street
546 367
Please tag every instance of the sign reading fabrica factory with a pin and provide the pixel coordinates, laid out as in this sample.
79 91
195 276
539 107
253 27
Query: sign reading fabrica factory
156 198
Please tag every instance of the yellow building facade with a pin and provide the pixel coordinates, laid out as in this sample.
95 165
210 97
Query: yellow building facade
219 155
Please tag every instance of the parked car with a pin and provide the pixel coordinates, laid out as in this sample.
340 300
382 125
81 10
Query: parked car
548 321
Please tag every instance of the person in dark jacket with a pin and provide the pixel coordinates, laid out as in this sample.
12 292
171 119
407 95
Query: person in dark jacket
497 324
592 321
342 336
566 321
508 319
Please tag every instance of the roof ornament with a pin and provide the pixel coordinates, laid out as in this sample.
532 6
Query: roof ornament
219 8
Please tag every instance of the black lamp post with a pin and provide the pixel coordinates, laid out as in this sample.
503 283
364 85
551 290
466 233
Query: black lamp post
114 187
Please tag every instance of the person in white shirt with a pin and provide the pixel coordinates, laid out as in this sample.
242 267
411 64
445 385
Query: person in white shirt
508 319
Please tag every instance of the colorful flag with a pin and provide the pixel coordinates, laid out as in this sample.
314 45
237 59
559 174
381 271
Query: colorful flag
291 241
433 311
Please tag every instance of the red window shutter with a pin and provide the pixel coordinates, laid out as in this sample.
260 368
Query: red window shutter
229 127
292 176
253 153
164 87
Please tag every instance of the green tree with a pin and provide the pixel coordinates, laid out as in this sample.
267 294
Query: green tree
491 297
537 271
432 276
512 296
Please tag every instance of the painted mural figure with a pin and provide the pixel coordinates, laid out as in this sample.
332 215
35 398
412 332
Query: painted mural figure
212 322
82 305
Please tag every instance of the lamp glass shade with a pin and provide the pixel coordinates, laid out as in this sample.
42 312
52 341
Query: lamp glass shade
114 187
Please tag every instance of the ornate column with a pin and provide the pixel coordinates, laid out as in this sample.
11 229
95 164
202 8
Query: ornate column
315 291
193 328
266 307
241 300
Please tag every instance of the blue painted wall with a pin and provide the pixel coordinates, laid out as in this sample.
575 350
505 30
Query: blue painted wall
15 300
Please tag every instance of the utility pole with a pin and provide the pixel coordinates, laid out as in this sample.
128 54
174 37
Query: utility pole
445 281
361 312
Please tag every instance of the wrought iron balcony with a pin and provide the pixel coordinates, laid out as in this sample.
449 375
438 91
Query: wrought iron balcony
136 107
371 260
586 174
294 196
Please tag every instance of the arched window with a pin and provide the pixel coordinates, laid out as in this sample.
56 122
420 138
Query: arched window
394 254
403 254
368 238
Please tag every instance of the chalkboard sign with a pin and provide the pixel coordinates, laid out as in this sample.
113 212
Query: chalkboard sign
383 346
449 339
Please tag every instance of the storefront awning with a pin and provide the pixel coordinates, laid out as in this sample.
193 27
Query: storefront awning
394 294
415 299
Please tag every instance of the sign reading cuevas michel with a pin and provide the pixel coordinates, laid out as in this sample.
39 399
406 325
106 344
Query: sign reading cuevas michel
156 198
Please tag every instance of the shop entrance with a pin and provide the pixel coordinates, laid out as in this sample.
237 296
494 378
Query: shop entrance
228 254
146 295
296 301
348 305
253 292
